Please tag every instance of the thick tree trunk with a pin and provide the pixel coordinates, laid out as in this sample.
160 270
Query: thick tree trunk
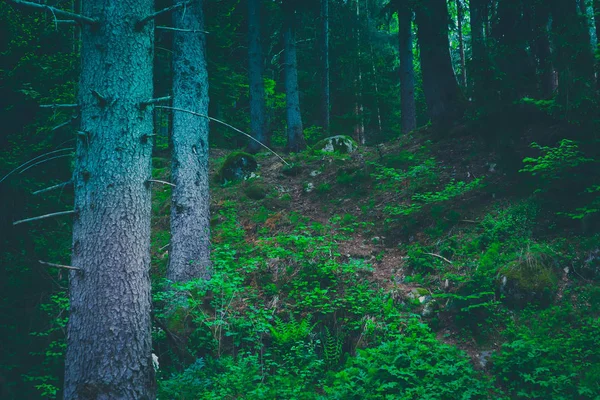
295 132
597 25
109 349
325 94
189 256
258 113
443 96
479 66
461 43
408 108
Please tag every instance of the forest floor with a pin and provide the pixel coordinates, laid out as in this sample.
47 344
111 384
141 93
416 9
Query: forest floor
450 228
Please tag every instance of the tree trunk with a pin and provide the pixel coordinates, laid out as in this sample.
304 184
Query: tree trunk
461 43
374 72
359 128
574 58
296 140
109 351
542 49
597 25
326 94
189 256
442 94
408 108
258 112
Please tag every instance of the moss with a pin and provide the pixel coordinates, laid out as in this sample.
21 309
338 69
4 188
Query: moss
338 144
255 191
238 165
291 170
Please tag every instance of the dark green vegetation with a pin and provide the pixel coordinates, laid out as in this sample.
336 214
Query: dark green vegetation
458 261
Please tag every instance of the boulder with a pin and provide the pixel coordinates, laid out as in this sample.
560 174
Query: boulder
340 144
237 166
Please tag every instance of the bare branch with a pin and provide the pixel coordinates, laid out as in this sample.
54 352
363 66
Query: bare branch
155 101
143 21
55 11
57 127
440 257
223 123
162 182
46 160
54 106
57 214
51 188
168 28
32 160
60 266
101 99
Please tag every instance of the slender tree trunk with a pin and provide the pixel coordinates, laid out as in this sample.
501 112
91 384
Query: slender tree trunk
442 94
189 256
374 72
258 112
109 345
296 141
359 130
326 94
461 43
597 25
542 49
408 108
574 58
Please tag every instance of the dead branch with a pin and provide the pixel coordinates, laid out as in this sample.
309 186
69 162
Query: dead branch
32 160
169 28
56 214
226 124
51 188
46 160
57 127
60 266
55 106
162 182
440 257
140 24
55 11
155 101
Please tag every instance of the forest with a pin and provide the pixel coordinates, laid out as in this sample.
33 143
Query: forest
299 199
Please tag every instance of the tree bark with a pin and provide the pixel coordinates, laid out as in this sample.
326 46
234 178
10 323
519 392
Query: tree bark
109 342
295 132
258 112
359 128
596 5
408 107
442 94
325 94
189 256
461 43
542 49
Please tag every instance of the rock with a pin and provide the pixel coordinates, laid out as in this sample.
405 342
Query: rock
591 266
309 187
255 191
315 173
526 282
340 144
484 358
237 166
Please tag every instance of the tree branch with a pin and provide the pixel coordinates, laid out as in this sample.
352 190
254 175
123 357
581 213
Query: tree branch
43 161
53 106
33 159
51 188
57 214
163 182
60 266
55 11
168 28
440 257
223 123
140 24
155 101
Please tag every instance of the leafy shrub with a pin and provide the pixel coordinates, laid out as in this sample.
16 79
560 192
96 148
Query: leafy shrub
414 365
552 354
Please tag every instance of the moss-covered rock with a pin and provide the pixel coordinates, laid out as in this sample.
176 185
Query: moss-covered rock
339 144
256 191
237 166
529 280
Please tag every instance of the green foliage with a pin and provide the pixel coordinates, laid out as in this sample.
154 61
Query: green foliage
554 162
552 354
413 365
